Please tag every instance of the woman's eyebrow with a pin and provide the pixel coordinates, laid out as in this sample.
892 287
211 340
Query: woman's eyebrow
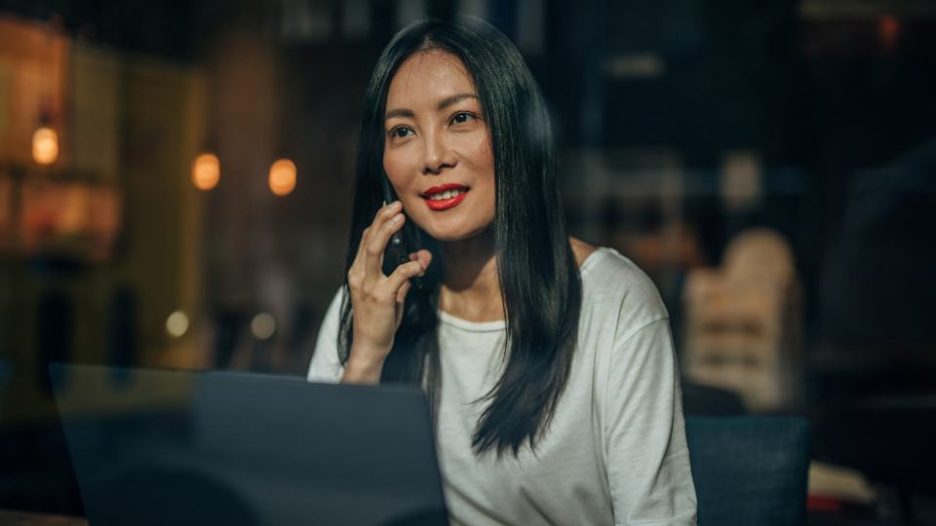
402 112
448 101
444 103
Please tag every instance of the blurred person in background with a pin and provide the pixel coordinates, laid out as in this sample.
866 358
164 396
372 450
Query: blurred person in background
548 362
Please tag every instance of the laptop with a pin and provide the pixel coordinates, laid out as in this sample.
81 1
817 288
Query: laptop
158 447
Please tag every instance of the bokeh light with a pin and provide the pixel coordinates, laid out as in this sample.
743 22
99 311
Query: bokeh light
45 145
282 177
262 326
206 171
889 32
177 324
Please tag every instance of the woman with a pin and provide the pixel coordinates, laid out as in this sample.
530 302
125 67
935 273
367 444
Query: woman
548 362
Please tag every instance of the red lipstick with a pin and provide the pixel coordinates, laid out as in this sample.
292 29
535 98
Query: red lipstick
444 204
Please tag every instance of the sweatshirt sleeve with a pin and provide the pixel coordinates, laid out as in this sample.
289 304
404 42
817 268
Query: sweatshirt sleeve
326 366
647 457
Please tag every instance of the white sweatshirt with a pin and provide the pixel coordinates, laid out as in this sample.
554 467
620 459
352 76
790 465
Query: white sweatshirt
615 452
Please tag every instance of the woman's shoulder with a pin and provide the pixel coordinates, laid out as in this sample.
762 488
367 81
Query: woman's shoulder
615 288
581 250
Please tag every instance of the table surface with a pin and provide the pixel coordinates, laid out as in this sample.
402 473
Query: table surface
22 518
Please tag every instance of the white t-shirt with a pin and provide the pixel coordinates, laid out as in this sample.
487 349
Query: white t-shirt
615 452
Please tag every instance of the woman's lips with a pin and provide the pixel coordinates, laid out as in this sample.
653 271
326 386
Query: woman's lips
445 204
437 204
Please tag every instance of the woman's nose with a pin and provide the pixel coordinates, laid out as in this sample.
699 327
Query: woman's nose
438 154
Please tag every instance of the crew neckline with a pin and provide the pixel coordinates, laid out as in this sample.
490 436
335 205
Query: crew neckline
500 325
473 326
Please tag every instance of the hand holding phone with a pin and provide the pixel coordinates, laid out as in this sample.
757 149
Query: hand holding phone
379 279
402 244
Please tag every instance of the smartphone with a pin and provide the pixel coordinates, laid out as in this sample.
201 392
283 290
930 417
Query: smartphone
401 244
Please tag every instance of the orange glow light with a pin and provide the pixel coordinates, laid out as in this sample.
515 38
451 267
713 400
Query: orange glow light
45 145
206 171
282 177
889 32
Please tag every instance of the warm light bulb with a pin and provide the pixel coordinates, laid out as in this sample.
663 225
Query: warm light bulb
282 177
45 146
177 324
263 325
206 171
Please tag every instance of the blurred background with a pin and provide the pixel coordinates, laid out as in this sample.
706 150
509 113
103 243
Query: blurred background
176 177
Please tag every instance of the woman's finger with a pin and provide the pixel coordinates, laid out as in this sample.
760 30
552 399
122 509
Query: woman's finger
403 274
365 235
377 244
383 214
401 294
423 256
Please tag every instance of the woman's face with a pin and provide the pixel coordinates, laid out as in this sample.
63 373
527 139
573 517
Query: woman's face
437 147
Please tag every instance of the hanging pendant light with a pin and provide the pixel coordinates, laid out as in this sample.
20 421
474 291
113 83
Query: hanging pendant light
282 178
45 145
206 171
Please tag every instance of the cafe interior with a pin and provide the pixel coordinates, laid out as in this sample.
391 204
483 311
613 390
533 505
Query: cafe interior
176 181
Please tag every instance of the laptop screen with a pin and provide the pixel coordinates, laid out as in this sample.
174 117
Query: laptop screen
171 447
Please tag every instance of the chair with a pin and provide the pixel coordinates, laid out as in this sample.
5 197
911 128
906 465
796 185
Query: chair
742 322
705 400
749 470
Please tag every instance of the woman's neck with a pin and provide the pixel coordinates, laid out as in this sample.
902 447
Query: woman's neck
470 286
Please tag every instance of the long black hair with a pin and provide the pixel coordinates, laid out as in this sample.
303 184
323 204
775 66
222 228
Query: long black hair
539 279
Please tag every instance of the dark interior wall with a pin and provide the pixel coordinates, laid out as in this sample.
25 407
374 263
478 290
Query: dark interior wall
839 121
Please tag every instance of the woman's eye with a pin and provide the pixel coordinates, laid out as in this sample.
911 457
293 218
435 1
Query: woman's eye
400 132
461 117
